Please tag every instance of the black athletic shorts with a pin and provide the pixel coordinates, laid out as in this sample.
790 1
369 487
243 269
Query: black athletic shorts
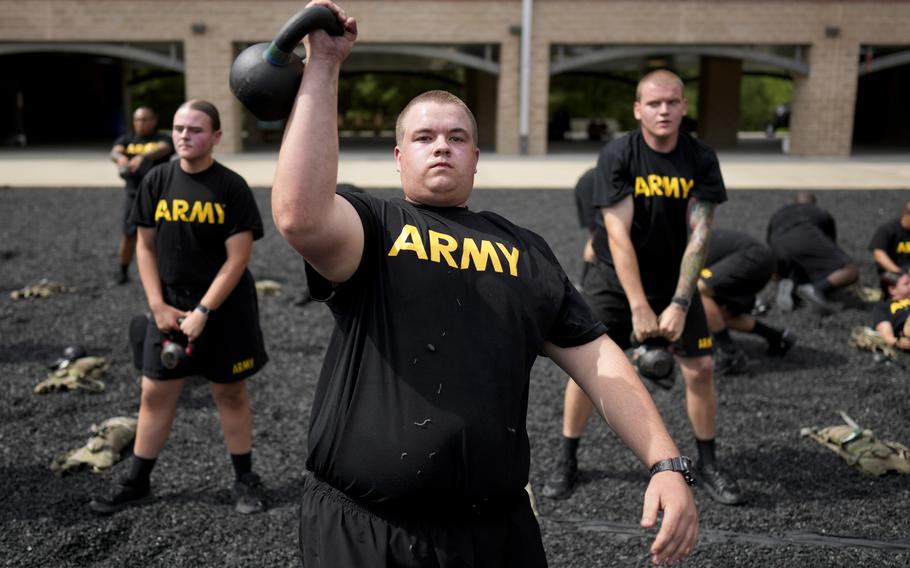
812 252
737 278
604 295
338 532
230 348
129 197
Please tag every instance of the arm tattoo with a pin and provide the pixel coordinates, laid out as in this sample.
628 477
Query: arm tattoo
700 218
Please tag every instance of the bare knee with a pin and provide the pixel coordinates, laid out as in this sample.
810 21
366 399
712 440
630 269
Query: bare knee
231 396
697 371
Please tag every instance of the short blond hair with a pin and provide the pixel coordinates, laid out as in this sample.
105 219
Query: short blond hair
660 77
440 97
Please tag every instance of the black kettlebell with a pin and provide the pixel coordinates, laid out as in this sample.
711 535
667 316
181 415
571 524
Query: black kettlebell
265 77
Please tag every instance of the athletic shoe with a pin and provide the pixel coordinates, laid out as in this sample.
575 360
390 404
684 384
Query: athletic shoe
124 495
121 278
811 294
780 347
784 298
562 481
730 362
247 494
718 485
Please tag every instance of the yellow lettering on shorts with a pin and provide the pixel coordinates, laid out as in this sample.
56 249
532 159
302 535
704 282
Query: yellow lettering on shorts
705 342
245 365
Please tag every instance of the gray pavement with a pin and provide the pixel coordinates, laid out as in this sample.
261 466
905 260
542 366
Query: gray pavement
373 169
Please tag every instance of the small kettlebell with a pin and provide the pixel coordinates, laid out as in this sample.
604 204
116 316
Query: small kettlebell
265 77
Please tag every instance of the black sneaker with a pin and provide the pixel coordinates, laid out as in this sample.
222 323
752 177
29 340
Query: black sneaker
124 495
783 345
562 480
718 485
247 494
121 278
813 296
730 362
784 297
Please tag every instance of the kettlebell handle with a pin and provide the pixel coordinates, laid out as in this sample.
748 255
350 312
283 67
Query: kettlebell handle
281 50
265 77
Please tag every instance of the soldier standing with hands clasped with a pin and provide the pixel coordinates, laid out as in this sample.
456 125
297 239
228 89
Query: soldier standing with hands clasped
657 189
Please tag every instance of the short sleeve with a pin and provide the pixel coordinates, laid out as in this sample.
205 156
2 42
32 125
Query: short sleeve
575 324
321 289
143 213
612 181
880 313
245 215
880 239
710 184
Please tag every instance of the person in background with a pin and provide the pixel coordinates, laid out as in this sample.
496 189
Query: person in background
135 154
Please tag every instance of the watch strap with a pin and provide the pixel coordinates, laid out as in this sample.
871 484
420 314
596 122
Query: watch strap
681 464
203 309
683 303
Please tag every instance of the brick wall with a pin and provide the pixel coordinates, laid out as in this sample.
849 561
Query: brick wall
822 112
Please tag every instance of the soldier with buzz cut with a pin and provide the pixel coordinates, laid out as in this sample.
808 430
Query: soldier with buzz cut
135 154
418 443
657 189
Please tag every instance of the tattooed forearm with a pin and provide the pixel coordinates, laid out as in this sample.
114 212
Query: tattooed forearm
700 219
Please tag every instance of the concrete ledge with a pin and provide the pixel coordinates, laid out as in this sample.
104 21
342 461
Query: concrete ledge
374 169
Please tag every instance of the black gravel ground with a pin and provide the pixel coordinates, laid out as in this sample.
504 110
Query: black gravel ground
806 507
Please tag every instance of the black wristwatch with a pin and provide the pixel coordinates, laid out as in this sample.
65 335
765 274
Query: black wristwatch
682 464
681 302
203 309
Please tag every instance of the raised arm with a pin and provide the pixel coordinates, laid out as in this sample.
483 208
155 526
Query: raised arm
618 221
673 318
323 227
601 369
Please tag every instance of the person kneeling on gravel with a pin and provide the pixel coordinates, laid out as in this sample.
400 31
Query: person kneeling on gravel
803 236
736 269
197 223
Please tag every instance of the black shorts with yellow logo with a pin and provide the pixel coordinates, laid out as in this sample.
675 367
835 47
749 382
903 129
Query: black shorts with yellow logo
607 300
230 348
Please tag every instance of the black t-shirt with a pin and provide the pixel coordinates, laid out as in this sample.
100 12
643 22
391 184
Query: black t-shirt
589 217
193 215
894 239
893 311
726 242
135 145
798 215
661 186
423 394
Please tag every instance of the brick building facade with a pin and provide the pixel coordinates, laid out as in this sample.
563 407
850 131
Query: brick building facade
827 35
